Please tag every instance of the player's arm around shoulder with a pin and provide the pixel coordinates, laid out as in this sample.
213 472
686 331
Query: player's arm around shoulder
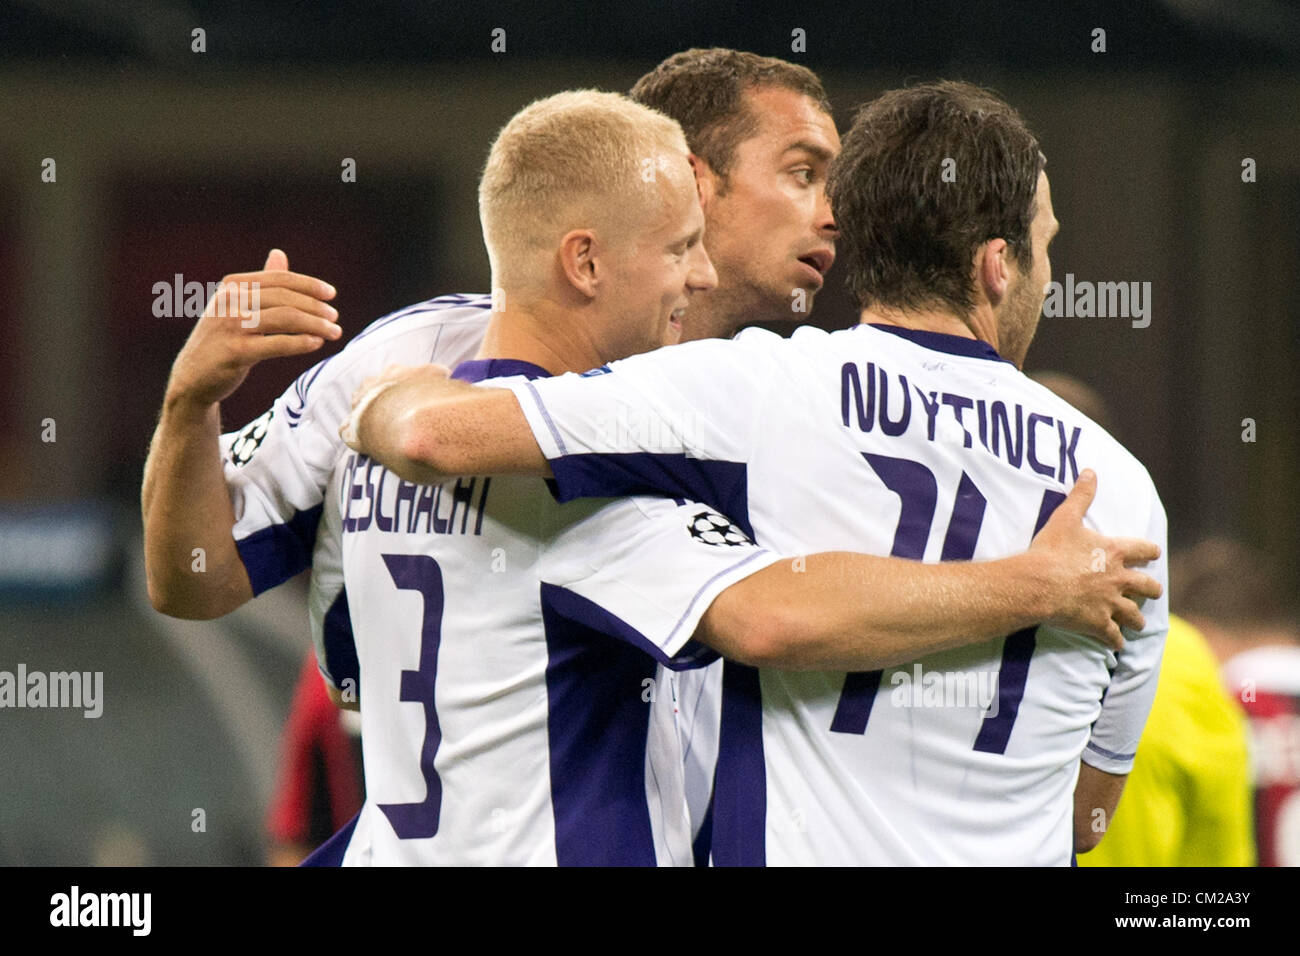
849 611
684 401
427 427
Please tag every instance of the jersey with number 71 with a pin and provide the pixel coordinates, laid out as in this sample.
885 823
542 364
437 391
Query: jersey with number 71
893 442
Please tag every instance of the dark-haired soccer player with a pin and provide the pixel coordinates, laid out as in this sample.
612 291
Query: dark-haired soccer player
254 499
914 434
762 139
770 175
761 135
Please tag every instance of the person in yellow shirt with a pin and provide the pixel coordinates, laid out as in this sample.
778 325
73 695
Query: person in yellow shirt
1237 596
1188 800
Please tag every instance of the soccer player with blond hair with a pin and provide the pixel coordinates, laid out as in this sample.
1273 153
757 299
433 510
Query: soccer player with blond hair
626 298
914 434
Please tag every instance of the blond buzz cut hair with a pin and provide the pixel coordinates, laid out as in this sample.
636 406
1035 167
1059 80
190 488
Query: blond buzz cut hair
575 160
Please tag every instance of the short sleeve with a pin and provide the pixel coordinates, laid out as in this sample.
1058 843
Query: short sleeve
681 422
276 469
645 570
1116 732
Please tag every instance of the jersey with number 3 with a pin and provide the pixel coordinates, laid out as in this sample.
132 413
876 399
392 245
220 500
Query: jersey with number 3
278 467
891 442
508 649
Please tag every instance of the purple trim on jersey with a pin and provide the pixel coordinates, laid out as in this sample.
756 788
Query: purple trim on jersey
308 377
276 553
941 342
1109 753
857 699
476 370
439 304
574 607
740 780
705 586
1017 651
546 416
340 645
722 485
301 386
330 853
305 381
597 724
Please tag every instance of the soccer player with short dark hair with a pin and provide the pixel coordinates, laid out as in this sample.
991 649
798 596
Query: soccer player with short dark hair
277 471
762 138
914 434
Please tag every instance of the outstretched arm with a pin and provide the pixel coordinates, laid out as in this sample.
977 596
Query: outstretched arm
846 611
837 611
427 428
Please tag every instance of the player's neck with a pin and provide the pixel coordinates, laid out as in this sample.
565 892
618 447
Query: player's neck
979 326
711 315
719 313
527 335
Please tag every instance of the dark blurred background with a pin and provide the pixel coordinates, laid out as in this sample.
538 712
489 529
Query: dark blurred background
170 161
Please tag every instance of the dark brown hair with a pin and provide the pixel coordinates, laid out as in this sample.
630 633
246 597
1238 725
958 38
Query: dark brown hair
704 91
906 234
1230 583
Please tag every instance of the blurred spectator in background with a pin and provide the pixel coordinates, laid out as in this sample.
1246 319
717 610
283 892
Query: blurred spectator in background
320 786
1083 397
1236 597
1187 801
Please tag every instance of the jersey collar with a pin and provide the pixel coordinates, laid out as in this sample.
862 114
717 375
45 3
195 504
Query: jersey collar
942 342
476 370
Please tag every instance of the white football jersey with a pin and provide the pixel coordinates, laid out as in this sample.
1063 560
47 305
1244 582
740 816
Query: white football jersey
508 649
892 442
278 466
697 711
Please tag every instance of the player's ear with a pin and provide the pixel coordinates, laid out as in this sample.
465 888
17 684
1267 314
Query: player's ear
993 269
578 260
707 182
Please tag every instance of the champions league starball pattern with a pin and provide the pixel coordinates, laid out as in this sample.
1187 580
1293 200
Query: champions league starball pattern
709 527
248 440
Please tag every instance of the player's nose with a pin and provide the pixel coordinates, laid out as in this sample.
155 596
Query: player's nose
824 222
701 277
